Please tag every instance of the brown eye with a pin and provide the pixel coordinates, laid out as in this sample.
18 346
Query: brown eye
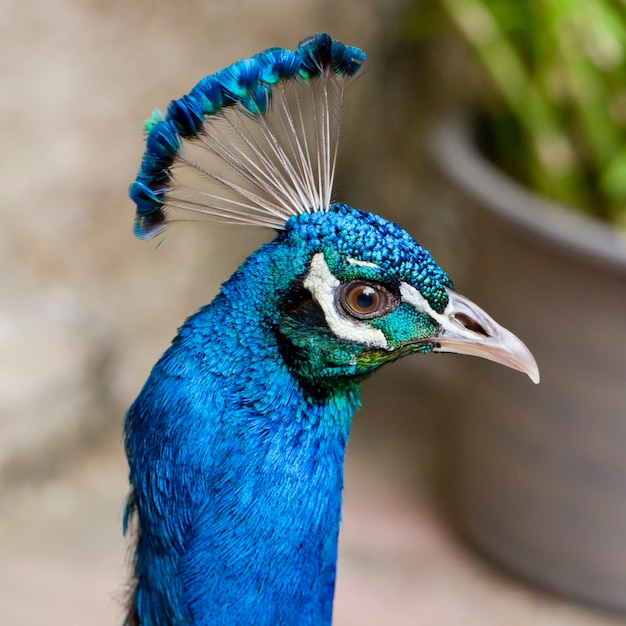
365 300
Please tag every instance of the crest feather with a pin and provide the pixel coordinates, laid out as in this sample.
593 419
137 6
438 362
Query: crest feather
254 143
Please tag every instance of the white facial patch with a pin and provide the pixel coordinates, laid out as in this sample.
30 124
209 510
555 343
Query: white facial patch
322 285
412 296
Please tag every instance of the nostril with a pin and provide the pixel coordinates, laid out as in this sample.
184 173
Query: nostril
470 324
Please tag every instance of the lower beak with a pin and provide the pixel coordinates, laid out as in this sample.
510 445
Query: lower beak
467 329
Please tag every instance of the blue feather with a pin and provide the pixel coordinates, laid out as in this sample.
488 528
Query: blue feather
186 114
240 509
214 434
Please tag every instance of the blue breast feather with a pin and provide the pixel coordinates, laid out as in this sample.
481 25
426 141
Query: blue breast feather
245 472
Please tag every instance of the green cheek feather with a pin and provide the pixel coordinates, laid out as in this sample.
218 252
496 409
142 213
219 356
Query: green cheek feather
405 324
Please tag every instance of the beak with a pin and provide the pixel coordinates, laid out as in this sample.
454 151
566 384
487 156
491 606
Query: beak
467 329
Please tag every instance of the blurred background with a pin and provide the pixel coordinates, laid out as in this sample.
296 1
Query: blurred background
429 535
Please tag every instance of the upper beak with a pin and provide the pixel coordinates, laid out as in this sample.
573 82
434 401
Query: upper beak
467 329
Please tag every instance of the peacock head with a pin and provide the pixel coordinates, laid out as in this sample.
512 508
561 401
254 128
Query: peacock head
256 143
371 294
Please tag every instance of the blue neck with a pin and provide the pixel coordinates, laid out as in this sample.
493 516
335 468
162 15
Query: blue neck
237 471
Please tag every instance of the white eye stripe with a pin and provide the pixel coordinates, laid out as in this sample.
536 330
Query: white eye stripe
412 296
352 261
322 285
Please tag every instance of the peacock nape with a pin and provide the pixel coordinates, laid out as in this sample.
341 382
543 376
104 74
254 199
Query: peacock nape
236 442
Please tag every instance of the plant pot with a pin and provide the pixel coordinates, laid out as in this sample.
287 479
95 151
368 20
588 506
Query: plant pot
540 471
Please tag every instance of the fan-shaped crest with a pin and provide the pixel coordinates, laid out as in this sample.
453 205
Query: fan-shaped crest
254 143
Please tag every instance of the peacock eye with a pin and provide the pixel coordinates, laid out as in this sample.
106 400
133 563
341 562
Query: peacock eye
365 300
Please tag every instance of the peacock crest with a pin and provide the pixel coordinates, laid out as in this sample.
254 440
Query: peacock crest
254 143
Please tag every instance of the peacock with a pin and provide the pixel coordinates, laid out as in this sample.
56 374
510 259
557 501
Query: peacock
236 442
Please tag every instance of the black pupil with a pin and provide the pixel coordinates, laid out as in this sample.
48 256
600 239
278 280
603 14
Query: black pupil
365 299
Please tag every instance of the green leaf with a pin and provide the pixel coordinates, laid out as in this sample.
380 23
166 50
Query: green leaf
613 181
